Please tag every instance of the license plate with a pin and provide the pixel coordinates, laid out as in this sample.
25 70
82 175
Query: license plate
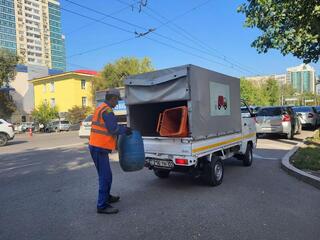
163 163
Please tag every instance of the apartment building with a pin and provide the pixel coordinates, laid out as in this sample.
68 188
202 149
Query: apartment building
32 28
303 78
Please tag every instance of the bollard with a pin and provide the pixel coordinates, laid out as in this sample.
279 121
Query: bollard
30 132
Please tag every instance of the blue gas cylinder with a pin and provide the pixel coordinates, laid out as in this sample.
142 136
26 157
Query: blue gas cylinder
131 152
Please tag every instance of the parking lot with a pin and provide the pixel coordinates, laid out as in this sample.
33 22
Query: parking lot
49 186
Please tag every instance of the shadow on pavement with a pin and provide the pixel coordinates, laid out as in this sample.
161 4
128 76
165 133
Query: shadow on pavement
15 142
288 141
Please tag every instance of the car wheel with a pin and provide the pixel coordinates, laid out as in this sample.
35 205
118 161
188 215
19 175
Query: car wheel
3 139
213 172
161 173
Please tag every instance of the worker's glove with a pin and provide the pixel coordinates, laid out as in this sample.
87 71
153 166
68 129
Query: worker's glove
128 131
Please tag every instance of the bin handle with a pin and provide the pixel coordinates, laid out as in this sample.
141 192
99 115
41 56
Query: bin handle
159 122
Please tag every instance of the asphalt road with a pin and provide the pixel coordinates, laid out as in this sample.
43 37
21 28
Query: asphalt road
49 192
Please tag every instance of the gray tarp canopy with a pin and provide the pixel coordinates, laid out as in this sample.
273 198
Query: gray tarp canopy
203 89
159 86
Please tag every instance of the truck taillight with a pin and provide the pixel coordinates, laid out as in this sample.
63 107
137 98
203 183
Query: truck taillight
181 161
286 118
310 115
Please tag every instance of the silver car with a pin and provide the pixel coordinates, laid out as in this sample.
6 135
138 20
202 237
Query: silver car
308 115
58 126
277 120
85 127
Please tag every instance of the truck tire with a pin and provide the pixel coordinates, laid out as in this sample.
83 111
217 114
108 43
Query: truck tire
213 172
161 173
3 139
247 157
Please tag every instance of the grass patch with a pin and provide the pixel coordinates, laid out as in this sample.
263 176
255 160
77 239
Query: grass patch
308 157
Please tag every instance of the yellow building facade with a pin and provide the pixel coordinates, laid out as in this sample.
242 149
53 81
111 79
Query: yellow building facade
65 90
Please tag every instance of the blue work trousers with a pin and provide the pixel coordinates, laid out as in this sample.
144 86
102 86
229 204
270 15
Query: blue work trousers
101 161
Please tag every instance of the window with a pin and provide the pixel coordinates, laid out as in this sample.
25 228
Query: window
44 88
52 87
83 84
268 112
52 102
84 101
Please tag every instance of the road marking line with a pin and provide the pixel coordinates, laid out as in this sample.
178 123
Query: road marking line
266 158
62 146
14 168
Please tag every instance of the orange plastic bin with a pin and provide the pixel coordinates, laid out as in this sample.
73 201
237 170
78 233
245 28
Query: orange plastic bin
173 122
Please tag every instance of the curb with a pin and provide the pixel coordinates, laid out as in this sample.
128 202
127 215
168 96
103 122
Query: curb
299 174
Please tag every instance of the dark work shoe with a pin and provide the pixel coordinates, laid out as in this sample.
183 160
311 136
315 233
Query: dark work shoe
113 199
108 210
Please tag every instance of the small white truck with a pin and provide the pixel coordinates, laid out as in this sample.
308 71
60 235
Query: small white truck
216 130
6 132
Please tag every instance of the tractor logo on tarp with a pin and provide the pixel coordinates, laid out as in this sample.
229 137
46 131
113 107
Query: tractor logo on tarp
219 99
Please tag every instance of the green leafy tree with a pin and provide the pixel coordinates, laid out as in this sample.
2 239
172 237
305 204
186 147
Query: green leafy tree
291 26
306 97
76 114
44 113
8 62
7 105
272 90
247 91
287 90
252 93
113 74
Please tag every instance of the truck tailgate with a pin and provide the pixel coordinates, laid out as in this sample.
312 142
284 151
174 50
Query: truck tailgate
170 146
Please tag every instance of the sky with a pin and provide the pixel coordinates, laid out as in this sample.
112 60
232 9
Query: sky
207 33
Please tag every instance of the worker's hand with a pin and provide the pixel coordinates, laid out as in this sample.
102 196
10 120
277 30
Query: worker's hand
128 131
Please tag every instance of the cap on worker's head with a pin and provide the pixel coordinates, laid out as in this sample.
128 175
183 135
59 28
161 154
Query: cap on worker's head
113 92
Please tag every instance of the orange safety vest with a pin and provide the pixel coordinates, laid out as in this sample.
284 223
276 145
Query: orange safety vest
100 136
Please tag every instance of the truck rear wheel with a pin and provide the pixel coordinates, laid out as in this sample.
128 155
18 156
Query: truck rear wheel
161 173
213 172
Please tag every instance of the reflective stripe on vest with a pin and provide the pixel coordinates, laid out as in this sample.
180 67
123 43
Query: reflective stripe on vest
100 136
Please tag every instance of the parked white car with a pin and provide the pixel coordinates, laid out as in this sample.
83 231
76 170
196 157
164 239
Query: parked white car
85 127
6 132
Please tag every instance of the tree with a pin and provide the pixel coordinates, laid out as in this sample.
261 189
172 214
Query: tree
7 105
287 90
113 74
291 26
8 62
272 90
252 94
44 113
76 114
247 91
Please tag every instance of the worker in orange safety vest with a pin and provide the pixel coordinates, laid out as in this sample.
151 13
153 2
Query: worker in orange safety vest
103 139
